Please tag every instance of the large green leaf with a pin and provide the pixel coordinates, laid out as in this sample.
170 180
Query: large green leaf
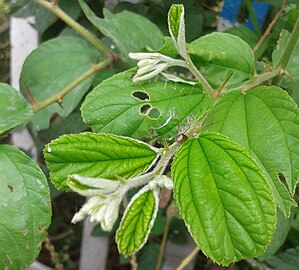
142 110
53 66
137 222
96 155
219 55
25 209
288 260
292 66
224 198
266 122
14 109
129 31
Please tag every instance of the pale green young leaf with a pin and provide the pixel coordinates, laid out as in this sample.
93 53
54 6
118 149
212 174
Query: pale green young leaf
25 209
176 25
266 122
220 54
122 107
137 221
98 156
224 198
53 66
130 32
14 109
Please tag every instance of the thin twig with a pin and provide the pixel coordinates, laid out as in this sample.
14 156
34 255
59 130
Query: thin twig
271 25
58 98
54 8
188 259
163 244
133 262
53 255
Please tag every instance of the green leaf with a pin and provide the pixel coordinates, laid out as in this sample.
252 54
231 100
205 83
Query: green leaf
174 19
288 260
97 155
266 122
129 31
142 110
219 55
224 198
25 209
137 221
14 109
53 66
283 225
148 255
292 66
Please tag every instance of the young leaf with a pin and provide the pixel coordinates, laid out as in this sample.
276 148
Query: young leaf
137 221
176 25
25 208
224 198
219 55
97 155
53 66
129 31
121 107
266 122
14 109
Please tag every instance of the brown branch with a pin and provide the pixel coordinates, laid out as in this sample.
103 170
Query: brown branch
271 25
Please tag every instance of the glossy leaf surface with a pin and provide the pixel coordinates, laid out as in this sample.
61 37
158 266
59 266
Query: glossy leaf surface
145 110
14 109
25 209
220 54
129 31
137 222
266 122
96 155
53 66
224 198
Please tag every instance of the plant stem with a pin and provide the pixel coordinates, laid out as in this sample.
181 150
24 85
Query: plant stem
271 25
199 76
54 8
163 245
188 259
285 57
259 80
251 12
58 98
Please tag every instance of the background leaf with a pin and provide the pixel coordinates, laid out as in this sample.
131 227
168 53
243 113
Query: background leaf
149 255
288 260
220 54
266 122
25 209
121 107
96 155
50 68
14 109
292 66
137 222
224 198
129 31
